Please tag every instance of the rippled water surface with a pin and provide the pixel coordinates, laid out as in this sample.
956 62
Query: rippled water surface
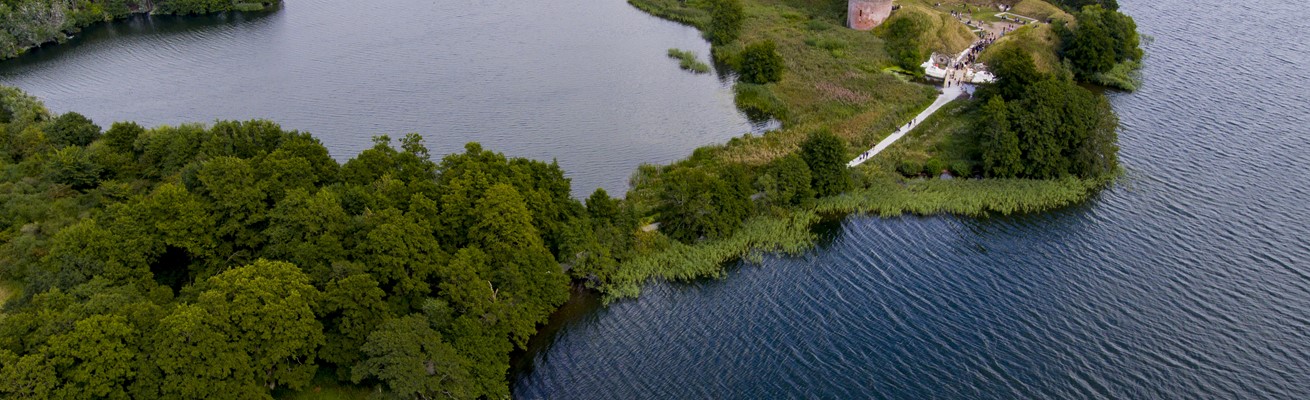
584 82
1188 280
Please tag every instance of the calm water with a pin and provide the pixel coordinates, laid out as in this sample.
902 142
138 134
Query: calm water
584 82
1189 280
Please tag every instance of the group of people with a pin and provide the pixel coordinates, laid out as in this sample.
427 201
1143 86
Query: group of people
958 71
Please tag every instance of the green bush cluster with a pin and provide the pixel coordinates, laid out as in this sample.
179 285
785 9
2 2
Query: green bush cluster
1044 127
1101 40
760 63
726 17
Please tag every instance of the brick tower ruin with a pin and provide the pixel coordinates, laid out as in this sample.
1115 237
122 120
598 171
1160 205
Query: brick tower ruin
863 15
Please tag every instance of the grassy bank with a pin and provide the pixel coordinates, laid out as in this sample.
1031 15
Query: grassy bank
1038 40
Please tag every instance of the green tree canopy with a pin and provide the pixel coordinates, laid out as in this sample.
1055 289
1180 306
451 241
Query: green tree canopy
259 324
696 205
825 154
726 17
761 63
72 129
412 361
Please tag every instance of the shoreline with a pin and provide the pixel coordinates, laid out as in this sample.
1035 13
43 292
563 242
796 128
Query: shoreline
884 193
75 28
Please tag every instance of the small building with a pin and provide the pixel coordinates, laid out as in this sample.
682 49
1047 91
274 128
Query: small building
863 15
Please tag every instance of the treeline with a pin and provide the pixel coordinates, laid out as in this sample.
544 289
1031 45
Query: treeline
25 24
237 260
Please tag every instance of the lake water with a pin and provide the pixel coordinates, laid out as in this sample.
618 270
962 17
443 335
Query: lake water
584 82
1189 279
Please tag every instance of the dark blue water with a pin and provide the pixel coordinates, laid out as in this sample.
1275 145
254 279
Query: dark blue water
584 82
1189 279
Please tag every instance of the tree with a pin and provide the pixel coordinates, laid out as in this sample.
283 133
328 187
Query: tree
761 63
95 359
1059 129
1093 50
726 17
73 167
308 230
370 164
825 154
522 269
251 330
72 129
1000 146
28 376
1015 71
238 199
1123 29
1075 5
695 205
197 360
353 307
1103 38
787 181
121 136
412 361
601 206
401 254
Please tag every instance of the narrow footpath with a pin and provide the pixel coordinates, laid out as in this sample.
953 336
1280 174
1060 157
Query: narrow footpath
948 94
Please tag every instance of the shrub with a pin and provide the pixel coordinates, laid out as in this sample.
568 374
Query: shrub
962 168
761 63
726 17
934 167
825 154
910 168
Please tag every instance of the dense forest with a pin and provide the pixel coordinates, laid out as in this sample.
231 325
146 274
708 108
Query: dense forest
25 24
235 260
